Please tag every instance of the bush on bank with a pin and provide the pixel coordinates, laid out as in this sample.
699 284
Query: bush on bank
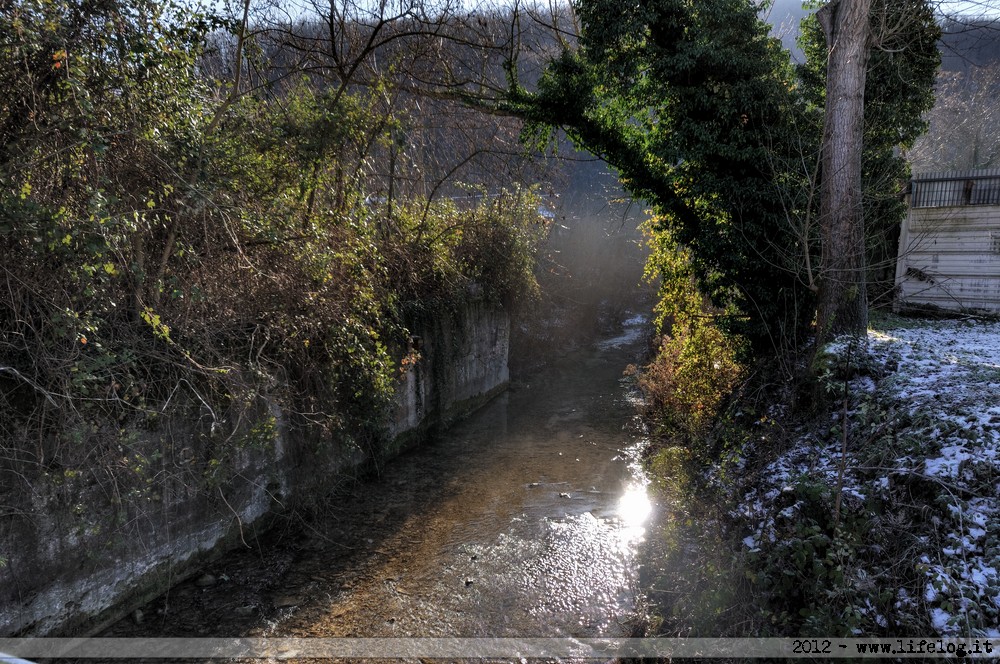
864 512
172 245
688 388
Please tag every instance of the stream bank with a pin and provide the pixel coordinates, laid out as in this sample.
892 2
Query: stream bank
861 504
83 546
522 520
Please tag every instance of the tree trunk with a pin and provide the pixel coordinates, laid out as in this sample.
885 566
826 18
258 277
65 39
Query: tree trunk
843 301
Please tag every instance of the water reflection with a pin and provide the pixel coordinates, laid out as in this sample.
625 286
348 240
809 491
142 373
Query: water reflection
634 508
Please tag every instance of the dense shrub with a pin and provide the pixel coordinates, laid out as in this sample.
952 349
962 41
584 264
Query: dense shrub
694 370
698 362
169 240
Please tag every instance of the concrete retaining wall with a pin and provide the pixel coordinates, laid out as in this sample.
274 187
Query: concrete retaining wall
84 551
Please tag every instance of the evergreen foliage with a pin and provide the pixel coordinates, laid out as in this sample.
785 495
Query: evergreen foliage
702 115
693 104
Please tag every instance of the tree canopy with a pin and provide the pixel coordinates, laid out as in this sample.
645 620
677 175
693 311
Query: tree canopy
699 110
693 103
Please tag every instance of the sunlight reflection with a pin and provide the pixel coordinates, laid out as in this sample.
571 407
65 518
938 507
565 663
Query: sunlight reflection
633 510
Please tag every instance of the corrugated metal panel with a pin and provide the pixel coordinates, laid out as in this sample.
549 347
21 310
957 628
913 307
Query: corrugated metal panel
963 218
949 244
957 295
950 256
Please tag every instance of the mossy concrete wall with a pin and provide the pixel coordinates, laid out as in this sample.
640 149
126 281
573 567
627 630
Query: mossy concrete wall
463 361
82 552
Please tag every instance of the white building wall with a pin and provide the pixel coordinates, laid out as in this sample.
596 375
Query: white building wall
949 246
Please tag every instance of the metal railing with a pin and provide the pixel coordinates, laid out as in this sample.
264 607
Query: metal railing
956 189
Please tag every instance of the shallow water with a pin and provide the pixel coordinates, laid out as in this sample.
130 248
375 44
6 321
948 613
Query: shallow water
521 521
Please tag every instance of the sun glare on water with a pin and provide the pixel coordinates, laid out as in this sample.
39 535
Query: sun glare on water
634 508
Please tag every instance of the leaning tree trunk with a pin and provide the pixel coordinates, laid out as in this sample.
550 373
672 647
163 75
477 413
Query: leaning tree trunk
843 301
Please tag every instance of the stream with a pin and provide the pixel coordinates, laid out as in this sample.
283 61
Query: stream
523 520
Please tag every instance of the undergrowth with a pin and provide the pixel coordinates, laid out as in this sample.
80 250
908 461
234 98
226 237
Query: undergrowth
857 502
693 580
796 499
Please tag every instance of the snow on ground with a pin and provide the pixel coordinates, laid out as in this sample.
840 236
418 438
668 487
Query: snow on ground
925 410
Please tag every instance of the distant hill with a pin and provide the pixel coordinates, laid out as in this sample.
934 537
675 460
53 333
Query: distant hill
963 44
970 44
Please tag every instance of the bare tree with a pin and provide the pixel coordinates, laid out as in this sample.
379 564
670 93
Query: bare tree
964 131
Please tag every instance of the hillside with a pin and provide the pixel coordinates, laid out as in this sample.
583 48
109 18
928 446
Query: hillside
966 45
